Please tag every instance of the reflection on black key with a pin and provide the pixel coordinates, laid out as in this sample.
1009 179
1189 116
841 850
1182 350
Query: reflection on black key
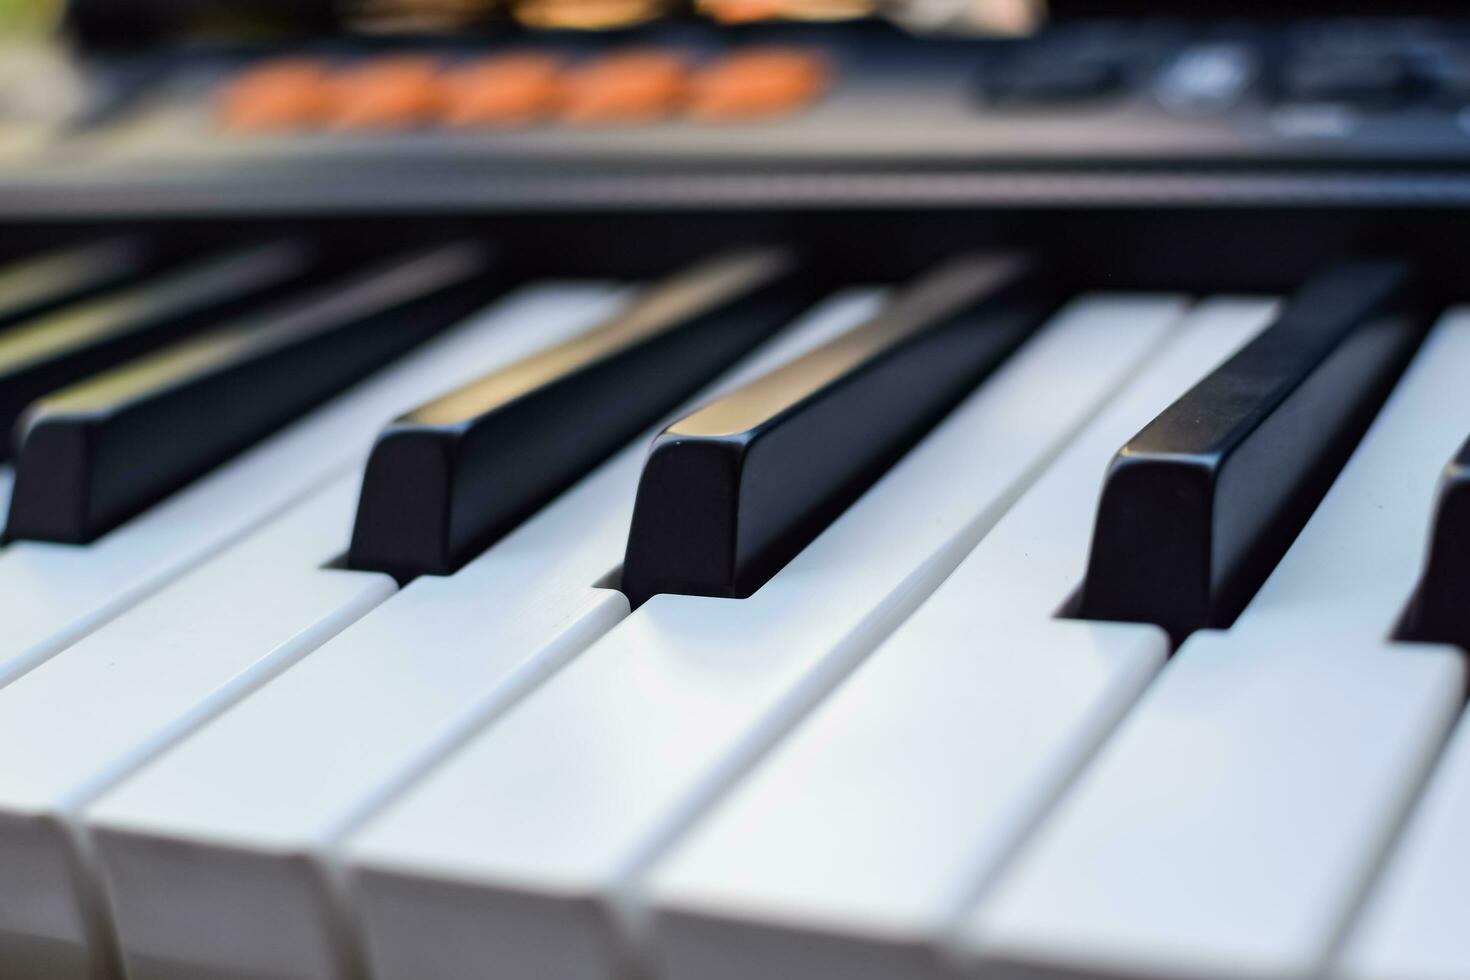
96 453
1440 609
733 491
41 355
1199 506
38 283
450 477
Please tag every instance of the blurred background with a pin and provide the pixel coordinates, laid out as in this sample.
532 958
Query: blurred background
1294 131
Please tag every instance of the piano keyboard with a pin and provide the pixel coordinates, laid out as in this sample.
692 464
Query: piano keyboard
400 617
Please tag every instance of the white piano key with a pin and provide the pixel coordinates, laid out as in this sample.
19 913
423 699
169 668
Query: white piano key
1232 823
51 594
237 826
1413 926
524 849
139 684
854 848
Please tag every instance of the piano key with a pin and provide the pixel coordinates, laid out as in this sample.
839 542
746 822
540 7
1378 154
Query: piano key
1199 505
1437 613
731 492
647 728
36 284
852 850
437 489
52 594
178 657
1413 925
312 754
1234 820
94 454
40 355
136 686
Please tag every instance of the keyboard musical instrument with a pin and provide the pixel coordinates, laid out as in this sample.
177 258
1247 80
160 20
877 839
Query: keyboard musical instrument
575 490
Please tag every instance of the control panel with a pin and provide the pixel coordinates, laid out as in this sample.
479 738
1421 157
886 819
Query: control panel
1115 110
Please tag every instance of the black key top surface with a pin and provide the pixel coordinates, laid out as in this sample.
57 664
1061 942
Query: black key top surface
1440 609
41 355
733 491
98 452
1199 506
447 479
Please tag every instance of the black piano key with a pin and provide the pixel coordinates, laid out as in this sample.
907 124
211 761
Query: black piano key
35 284
733 491
1199 506
447 479
1439 611
43 354
96 453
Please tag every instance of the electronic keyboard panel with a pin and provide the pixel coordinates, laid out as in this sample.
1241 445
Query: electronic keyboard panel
1152 110
396 615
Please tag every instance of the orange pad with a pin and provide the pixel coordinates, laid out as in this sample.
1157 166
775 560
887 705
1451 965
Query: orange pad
387 93
632 87
757 83
508 90
742 11
278 95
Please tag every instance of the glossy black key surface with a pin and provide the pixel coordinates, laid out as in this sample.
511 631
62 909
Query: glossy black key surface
447 479
34 284
43 354
1198 507
96 453
1440 609
733 491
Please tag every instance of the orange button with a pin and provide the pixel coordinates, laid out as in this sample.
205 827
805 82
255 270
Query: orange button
588 15
277 95
508 90
387 93
632 87
741 11
757 83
